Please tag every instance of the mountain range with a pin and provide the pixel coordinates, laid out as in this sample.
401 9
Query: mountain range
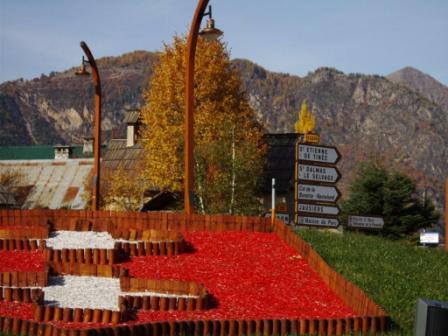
401 119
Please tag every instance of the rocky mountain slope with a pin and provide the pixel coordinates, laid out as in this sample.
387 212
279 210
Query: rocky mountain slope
365 116
422 83
58 108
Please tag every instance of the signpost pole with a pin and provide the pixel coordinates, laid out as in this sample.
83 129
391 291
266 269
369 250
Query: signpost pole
273 202
446 214
296 184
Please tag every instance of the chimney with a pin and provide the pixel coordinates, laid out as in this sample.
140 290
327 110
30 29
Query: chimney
130 135
62 152
87 148
132 120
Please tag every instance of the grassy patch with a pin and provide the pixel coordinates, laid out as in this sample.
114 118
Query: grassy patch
393 273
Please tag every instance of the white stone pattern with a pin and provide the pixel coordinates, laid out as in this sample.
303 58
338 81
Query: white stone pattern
89 292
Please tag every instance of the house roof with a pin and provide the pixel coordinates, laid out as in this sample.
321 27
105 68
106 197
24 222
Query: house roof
280 159
50 183
118 154
38 152
131 116
6 198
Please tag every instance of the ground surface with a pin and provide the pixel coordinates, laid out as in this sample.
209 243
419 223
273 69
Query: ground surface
393 273
78 240
249 276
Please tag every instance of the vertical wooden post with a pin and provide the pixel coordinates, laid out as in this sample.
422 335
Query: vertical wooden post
273 202
446 214
296 183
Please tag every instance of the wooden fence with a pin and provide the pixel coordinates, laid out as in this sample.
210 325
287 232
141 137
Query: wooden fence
20 244
27 295
82 256
185 295
351 294
148 242
164 248
83 220
25 238
24 279
79 315
26 232
330 327
107 271
174 287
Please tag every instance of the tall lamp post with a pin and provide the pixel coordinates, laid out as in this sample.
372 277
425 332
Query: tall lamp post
209 33
97 131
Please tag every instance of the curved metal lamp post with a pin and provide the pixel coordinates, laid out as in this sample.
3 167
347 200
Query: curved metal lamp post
209 33
97 124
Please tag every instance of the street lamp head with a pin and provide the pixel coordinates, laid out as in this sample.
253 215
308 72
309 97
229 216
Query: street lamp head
210 32
82 69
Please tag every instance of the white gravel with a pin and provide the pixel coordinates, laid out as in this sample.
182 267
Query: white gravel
89 292
80 240
87 239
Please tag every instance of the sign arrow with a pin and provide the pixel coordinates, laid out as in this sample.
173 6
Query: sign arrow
316 221
318 153
316 193
318 173
318 209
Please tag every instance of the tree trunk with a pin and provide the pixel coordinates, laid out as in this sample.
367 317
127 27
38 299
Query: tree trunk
233 183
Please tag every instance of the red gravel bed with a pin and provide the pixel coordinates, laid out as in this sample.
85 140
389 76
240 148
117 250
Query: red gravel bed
20 310
249 276
21 261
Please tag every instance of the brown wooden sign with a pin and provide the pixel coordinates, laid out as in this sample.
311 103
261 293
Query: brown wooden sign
321 154
318 221
311 138
316 193
364 222
330 210
320 174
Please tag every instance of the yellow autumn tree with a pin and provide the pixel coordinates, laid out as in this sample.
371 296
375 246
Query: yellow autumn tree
306 122
228 153
125 189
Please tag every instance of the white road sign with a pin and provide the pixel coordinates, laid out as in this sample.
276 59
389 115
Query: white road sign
281 216
315 221
318 154
318 173
363 222
311 192
318 209
429 238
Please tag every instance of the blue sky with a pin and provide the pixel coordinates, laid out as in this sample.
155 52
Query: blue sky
294 36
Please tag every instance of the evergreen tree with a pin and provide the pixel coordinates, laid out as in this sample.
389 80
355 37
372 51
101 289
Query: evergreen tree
391 195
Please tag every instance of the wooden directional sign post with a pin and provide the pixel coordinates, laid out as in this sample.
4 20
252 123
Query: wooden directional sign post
318 221
315 191
318 209
318 173
363 222
318 154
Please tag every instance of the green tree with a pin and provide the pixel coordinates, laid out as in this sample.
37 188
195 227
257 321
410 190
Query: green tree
391 195
228 154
